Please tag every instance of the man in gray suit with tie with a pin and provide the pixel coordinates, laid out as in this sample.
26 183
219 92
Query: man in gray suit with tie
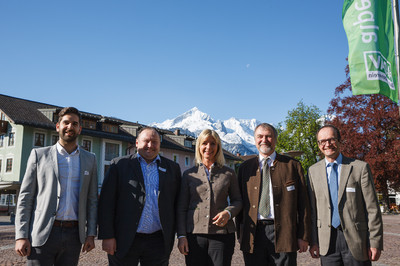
345 216
57 204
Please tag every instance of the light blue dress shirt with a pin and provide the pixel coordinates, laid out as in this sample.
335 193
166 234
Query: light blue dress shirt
150 219
338 161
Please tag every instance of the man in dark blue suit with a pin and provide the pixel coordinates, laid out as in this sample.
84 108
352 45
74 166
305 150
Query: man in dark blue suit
137 205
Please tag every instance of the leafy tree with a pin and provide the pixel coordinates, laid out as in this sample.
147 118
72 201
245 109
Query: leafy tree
301 125
370 129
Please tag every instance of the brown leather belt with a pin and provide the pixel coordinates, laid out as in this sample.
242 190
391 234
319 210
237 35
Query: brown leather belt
68 224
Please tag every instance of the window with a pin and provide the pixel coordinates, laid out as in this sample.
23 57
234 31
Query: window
9 165
54 139
87 144
11 139
88 124
7 199
39 140
187 161
112 151
188 143
175 158
110 128
2 116
55 118
1 140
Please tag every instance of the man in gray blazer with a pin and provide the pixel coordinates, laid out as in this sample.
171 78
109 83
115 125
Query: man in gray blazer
57 204
346 219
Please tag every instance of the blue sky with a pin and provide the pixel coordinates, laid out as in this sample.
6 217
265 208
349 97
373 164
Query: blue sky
152 60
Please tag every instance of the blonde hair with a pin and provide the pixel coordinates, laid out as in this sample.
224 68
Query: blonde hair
219 156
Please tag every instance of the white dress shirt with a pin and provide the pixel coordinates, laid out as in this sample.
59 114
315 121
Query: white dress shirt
271 160
69 174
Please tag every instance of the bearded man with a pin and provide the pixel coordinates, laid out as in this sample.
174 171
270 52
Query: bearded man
275 219
57 204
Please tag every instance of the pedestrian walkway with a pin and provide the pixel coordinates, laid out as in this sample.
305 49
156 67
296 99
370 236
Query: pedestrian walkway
390 255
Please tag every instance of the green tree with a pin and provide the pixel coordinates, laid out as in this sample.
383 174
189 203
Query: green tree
298 134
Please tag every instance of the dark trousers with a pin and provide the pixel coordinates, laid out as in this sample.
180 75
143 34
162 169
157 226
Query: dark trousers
61 248
148 249
264 250
210 249
339 253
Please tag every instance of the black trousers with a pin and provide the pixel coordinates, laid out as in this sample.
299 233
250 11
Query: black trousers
210 249
264 250
339 253
61 248
148 249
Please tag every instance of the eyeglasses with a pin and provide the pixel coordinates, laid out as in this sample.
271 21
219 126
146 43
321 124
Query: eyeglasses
322 142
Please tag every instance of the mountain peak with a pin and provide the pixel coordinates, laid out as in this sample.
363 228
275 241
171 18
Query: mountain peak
236 134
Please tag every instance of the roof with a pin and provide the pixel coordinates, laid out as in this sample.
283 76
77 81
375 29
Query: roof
29 113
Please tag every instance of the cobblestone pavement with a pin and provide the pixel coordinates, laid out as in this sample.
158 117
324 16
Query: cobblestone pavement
390 255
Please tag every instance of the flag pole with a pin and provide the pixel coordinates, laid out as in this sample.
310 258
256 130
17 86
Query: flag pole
395 8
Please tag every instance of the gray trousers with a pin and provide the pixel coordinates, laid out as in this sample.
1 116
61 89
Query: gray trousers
339 253
62 248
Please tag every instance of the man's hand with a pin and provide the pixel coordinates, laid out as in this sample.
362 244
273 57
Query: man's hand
302 245
23 247
314 251
183 245
89 244
109 245
374 254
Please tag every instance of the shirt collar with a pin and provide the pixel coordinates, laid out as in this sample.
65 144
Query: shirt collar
271 157
142 160
338 160
62 151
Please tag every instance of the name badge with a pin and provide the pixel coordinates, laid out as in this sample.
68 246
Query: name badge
290 188
162 169
350 189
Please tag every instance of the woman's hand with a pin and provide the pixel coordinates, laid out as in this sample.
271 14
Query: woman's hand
183 245
221 219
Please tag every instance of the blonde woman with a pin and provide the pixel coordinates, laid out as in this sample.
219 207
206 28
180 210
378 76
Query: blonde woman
206 231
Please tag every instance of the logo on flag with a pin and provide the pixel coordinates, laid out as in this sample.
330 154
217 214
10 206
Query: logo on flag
378 68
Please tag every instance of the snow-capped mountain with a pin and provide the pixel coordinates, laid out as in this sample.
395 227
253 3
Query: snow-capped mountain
236 134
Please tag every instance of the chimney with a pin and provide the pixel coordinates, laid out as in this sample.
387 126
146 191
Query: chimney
177 132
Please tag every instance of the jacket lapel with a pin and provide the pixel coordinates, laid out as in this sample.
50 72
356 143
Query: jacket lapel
344 176
323 181
54 164
162 174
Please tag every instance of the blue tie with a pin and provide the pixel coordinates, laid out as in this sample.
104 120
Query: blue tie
333 190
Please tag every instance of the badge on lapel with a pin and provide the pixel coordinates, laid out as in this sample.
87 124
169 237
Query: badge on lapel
86 172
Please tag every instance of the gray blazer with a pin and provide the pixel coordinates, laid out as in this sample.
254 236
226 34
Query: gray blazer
359 211
40 191
200 200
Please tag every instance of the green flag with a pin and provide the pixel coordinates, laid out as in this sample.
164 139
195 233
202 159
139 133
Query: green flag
369 28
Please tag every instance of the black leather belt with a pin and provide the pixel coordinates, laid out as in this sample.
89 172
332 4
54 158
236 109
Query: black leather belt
155 234
68 224
265 222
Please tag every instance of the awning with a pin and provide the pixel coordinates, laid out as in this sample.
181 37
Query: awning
9 185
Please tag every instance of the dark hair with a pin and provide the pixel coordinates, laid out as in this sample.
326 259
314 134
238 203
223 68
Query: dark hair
148 128
267 126
335 130
69 110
